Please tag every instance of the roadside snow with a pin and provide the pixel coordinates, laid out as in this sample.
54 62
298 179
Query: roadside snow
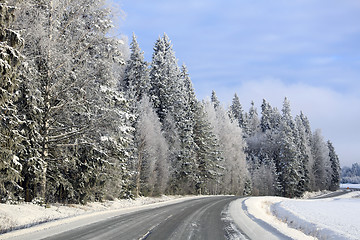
331 218
253 216
308 195
26 214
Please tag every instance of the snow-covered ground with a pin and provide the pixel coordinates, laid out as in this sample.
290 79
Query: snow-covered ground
331 218
350 185
28 214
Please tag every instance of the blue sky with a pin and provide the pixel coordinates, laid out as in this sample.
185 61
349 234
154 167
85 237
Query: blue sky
306 50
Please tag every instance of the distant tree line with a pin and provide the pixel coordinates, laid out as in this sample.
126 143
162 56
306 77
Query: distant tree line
85 119
351 174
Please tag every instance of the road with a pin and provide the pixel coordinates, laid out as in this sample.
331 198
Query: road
333 194
202 218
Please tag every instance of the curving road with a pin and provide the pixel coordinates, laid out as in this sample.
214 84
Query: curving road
201 218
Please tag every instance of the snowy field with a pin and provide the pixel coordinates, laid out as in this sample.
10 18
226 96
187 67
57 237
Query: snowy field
350 185
331 218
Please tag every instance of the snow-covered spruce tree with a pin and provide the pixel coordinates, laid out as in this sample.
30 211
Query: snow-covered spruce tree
335 168
236 111
308 142
164 78
321 167
69 61
152 167
266 112
184 166
174 101
253 122
288 160
214 99
10 138
304 156
136 76
209 169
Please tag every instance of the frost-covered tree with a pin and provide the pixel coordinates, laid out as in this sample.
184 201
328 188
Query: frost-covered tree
185 106
208 169
136 76
335 167
232 149
152 166
321 165
164 78
214 99
70 74
253 123
304 150
266 121
288 164
10 138
236 111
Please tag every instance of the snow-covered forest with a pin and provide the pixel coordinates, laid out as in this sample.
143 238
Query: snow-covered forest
351 175
85 118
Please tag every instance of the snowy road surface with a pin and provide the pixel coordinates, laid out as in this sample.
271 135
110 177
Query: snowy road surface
202 218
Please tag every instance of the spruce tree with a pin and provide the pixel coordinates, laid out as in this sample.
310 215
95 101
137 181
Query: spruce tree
185 120
266 111
253 123
288 159
214 99
71 73
236 111
136 76
164 78
10 138
208 171
335 167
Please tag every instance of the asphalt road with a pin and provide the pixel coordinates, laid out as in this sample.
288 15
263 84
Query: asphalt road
203 218
332 194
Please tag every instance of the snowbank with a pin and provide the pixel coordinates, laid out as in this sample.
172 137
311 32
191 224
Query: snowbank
334 218
331 218
253 216
27 214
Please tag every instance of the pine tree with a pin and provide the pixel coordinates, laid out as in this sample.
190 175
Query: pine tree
335 167
10 138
